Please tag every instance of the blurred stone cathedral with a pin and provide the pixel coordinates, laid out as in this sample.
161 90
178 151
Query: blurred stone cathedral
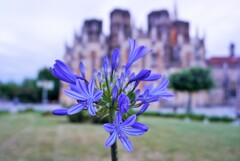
166 34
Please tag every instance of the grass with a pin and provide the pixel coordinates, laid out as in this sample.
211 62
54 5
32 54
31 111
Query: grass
31 137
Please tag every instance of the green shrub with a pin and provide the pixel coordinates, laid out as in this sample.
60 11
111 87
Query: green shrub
46 113
151 114
4 112
196 117
79 117
27 110
100 120
181 116
191 116
220 119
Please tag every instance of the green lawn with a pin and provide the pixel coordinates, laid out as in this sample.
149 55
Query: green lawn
32 137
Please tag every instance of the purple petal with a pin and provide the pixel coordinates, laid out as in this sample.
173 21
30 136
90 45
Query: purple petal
105 66
75 88
142 50
166 95
152 99
118 118
80 77
141 75
111 140
143 109
65 72
115 58
76 108
63 65
60 111
74 95
123 103
135 53
149 87
82 86
125 142
133 132
91 109
153 77
129 121
91 87
114 93
61 76
97 95
137 92
132 44
109 127
82 69
138 125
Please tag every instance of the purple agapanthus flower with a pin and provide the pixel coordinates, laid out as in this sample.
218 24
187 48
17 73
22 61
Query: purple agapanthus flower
120 128
85 96
114 93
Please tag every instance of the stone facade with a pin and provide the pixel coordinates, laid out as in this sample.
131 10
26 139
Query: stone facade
226 72
169 37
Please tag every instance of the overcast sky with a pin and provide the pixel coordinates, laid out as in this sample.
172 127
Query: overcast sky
33 33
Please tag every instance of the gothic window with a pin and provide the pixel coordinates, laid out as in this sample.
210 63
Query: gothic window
143 62
188 59
154 60
93 60
232 90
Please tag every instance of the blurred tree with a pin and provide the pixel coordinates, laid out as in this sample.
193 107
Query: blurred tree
45 74
191 80
9 90
29 91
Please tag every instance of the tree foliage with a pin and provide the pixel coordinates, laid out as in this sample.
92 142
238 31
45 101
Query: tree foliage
28 91
45 74
192 79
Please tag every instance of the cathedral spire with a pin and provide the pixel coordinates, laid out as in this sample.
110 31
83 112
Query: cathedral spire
175 10
197 33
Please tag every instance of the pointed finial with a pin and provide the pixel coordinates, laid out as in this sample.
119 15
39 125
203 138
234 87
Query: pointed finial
175 12
67 47
197 33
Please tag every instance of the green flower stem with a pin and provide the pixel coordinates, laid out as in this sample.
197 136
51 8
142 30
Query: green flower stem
107 83
114 146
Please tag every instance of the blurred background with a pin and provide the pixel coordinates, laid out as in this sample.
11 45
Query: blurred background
195 44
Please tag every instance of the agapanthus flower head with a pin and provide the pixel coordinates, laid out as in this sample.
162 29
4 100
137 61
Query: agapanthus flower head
114 92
